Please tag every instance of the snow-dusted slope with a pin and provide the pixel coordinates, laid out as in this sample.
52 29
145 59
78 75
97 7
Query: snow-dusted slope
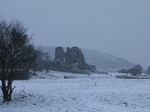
102 61
95 93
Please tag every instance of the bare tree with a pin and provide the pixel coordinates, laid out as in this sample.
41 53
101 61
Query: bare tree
16 53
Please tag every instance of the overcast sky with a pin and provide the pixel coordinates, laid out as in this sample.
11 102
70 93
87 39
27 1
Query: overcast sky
117 27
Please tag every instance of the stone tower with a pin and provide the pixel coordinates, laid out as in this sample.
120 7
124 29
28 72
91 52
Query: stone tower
72 60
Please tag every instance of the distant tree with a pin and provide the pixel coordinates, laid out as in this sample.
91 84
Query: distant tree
46 62
36 64
16 54
148 70
42 62
123 71
136 70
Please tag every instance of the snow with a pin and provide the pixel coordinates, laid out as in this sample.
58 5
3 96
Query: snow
82 93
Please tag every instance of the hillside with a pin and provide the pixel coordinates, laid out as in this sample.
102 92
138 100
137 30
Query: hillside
102 61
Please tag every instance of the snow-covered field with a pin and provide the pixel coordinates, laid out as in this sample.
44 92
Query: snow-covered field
79 93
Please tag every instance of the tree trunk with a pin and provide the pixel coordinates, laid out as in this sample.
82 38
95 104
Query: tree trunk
4 90
46 71
7 89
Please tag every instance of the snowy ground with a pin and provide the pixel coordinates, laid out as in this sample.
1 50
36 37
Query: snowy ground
81 93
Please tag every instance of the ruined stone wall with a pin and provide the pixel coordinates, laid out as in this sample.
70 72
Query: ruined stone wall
72 60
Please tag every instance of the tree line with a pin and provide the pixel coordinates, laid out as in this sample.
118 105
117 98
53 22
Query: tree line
136 70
